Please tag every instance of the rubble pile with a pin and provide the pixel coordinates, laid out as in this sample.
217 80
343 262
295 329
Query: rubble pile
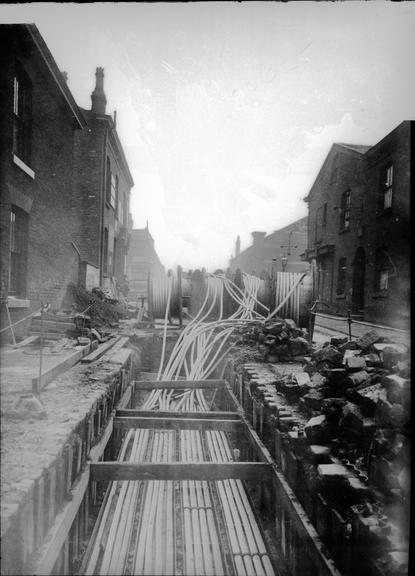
277 340
356 397
341 427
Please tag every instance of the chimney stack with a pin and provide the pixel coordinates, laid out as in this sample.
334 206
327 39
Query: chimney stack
99 101
258 238
237 247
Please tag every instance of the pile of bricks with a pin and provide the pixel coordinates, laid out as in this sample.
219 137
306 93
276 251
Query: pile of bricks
277 340
339 428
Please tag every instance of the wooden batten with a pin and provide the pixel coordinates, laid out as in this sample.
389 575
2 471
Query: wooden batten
177 384
127 413
110 471
124 423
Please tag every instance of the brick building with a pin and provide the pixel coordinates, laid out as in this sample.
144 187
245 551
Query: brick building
281 249
39 120
142 260
358 229
102 196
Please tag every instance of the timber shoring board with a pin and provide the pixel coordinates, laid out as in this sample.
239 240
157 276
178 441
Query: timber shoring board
123 413
100 351
177 424
125 398
110 471
57 535
177 384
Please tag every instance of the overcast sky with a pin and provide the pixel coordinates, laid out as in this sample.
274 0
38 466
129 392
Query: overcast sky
227 110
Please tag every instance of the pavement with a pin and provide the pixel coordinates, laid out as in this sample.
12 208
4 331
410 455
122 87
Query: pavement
30 445
19 365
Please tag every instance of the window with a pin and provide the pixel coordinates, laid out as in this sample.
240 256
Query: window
341 276
22 115
324 217
385 197
113 197
117 198
345 211
382 271
18 251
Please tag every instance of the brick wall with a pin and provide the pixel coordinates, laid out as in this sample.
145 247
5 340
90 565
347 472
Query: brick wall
369 230
49 258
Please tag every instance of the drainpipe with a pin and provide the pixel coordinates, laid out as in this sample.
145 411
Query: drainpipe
101 221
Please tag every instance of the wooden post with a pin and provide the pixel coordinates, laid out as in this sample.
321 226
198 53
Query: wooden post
180 295
10 322
349 322
37 385
150 298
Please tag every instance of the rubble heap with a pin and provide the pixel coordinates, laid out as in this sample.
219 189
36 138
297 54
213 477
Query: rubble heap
276 340
340 430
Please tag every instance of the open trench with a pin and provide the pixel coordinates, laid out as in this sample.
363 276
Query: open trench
180 526
172 478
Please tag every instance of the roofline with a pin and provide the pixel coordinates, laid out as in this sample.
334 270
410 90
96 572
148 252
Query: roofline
303 219
121 150
55 72
108 118
334 146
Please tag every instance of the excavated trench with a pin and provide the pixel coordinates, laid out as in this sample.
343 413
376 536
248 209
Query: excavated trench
233 526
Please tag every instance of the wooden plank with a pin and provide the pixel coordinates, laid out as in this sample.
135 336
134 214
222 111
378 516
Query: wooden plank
178 384
126 398
58 368
177 424
100 351
111 471
302 526
128 413
98 450
260 450
57 535
27 341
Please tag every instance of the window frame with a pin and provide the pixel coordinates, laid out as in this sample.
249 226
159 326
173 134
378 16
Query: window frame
22 115
386 188
382 272
345 210
18 239
324 216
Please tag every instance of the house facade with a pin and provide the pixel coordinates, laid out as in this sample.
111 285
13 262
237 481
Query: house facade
279 252
39 120
64 179
102 196
142 260
359 228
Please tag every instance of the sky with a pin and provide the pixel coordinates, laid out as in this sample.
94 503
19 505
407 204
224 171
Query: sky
226 110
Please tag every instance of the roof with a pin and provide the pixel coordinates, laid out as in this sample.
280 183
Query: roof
297 223
351 149
56 74
355 147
